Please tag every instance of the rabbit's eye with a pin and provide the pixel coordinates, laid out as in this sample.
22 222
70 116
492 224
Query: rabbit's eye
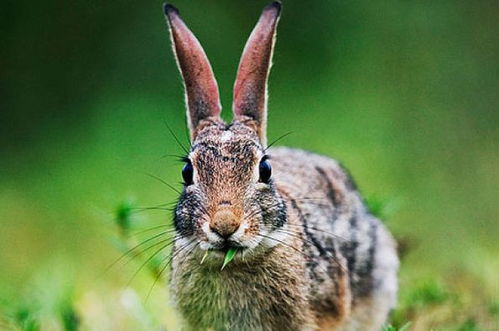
265 170
187 173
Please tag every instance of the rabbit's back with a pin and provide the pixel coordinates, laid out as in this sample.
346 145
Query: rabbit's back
352 259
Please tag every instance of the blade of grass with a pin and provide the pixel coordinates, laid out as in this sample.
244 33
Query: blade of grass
231 252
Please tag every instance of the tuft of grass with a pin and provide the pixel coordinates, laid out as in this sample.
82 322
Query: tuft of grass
25 317
124 217
382 208
390 327
428 293
68 315
469 325
128 240
494 308
49 301
376 206
156 265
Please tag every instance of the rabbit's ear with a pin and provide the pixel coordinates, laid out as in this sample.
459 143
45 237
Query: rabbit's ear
250 88
201 89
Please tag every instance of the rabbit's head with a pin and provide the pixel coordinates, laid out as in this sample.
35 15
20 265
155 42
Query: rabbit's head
229 199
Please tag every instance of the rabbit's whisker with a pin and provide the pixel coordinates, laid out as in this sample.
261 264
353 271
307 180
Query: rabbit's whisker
168 242
175 137
280 203
258 210
329 254
154 208
335 260
150 258
281 242
302 236
289 246
164 182
133 249
171 257
278 139
166 204
180 158
155 228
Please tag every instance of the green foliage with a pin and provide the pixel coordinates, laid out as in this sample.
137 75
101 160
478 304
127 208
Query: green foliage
124 217
26 319
69 317
417 297
390 327
469 325
47 300
376 207
428 293
494 308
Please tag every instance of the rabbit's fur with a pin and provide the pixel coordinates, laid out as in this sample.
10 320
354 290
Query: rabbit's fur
310 255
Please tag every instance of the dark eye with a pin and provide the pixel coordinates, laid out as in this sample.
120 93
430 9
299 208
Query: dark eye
187 172
265 170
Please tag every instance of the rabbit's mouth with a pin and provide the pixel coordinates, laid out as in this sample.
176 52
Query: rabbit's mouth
221 242
224 247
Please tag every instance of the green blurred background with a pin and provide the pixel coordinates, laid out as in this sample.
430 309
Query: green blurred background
404 93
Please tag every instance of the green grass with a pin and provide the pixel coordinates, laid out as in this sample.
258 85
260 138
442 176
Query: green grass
50 301
229 256
390 327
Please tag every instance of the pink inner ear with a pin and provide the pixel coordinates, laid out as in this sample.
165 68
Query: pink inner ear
203 99
251 81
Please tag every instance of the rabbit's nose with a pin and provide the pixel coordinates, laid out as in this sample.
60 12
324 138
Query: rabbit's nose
224 223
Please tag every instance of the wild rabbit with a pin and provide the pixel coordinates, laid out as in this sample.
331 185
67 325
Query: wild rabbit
309 255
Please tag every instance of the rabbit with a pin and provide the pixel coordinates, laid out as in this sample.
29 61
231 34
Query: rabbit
309 255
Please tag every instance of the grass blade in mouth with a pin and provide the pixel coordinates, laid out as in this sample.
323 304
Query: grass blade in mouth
231 252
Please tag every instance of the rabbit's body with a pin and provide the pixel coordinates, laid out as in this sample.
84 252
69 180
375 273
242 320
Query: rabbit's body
351 257
336 268
308 253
